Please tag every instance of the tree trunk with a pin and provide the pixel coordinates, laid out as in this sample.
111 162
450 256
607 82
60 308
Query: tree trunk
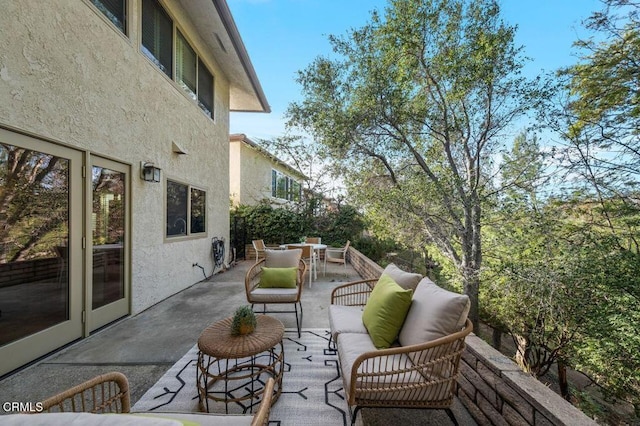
471 289
522 352
562 380
496 339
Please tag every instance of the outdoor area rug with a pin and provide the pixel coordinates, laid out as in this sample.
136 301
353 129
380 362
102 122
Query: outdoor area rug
312 392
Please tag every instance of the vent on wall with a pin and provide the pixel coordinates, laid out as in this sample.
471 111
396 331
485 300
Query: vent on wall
220 42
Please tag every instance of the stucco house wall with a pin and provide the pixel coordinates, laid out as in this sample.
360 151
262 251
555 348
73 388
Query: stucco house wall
69 77
250 172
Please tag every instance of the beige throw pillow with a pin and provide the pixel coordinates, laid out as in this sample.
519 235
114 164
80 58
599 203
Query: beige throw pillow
406 280
282 258
434 313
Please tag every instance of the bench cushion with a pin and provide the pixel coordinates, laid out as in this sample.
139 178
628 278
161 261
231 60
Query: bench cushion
434 313
345 319
274 295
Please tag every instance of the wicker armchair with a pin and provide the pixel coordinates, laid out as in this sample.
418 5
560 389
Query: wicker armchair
415 376
257 295
107 393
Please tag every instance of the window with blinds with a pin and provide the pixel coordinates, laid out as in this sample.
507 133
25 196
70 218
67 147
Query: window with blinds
186 65
115 11
157 44
205 89
157 36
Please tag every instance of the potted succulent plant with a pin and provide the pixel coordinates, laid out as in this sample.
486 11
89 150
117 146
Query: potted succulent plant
244 321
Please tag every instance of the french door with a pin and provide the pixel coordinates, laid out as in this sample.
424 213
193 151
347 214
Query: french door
64 246
108 297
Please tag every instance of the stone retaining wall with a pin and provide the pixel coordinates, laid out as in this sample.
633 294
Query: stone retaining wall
491 386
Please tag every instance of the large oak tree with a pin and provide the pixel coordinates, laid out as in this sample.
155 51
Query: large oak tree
414 105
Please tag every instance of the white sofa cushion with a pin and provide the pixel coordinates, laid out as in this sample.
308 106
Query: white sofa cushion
406 280
84 419
274 295
345 319
434 313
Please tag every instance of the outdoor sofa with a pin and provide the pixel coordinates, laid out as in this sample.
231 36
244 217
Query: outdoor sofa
399 353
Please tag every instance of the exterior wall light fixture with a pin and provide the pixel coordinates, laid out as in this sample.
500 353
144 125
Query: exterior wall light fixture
149 172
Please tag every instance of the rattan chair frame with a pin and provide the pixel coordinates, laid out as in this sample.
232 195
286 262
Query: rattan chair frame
107 393
377 377
261 418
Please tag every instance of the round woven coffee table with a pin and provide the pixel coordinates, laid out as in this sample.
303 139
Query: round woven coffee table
235 368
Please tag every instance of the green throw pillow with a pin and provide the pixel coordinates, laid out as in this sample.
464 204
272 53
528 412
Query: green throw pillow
385 311
278 278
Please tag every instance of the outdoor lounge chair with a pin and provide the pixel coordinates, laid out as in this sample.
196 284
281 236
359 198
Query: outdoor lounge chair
261 289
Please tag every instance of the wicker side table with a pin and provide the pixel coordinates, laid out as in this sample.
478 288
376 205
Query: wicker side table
231 368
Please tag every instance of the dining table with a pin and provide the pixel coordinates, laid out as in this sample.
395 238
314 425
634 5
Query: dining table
317 248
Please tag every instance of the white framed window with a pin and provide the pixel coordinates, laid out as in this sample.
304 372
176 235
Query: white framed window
186 210
285 187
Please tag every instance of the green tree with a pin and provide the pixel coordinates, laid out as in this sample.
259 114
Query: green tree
413 108
597 113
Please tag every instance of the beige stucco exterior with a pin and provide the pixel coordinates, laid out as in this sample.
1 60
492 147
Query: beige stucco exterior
250 169
69 77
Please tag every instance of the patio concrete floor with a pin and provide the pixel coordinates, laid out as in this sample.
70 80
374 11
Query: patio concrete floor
144 346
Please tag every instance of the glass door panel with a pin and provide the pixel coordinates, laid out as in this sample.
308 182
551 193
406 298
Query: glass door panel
40 250
109 207
108 218
34 213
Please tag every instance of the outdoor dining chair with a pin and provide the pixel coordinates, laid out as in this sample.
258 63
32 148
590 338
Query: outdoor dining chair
337 255
259 248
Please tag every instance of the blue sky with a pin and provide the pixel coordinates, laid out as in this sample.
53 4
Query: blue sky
284 36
